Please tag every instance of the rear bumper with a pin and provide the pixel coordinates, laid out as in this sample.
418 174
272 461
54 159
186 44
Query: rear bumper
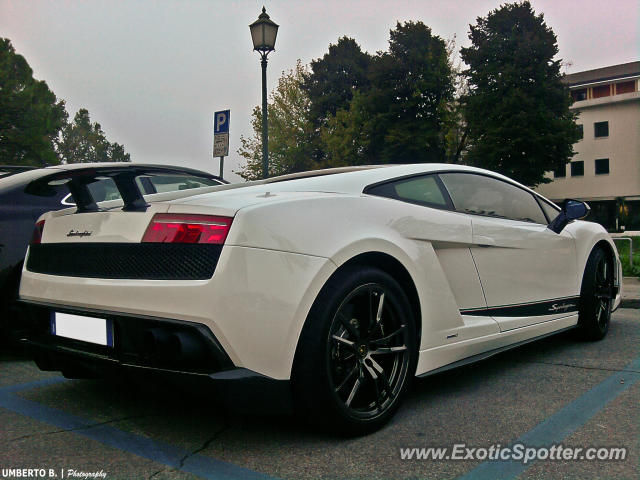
254 305
131 353
138 341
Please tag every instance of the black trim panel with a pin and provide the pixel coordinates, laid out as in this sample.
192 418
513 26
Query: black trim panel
131 346
136 261
532 309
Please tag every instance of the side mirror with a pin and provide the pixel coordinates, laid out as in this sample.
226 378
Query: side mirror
571 210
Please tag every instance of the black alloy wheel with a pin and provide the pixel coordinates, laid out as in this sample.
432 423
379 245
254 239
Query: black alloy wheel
367 351
596 296
357 352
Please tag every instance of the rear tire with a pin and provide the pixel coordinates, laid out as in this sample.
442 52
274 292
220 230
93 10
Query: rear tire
596 296
357 353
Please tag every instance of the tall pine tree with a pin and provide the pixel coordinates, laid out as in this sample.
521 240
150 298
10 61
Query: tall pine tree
30 114
517 108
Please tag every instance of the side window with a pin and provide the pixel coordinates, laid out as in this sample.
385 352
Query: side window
551 211
171 183
482 195
424 190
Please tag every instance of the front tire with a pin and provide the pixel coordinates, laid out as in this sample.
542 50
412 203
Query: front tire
357 352
596 296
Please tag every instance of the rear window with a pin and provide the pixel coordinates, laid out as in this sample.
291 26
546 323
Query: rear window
424 190
172 183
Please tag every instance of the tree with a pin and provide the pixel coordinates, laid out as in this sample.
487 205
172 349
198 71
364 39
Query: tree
335 77
30 114
517 109
401 118
82 141
290 130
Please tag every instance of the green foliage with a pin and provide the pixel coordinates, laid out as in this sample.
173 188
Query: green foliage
290 130
402 116
632 270
83 141
334 78
30 114
517 109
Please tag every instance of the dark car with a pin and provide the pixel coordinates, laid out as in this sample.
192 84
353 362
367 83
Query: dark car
7 170
27 193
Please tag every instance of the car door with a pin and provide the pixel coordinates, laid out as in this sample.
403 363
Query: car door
528 273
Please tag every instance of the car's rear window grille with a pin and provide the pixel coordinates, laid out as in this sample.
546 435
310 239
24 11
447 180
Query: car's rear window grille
145 261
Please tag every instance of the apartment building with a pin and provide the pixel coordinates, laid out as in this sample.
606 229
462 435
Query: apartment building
605 171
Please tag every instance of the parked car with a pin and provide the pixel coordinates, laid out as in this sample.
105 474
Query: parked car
25 194
334 287
7 170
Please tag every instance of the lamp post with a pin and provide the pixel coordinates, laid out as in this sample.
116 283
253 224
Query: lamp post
263 35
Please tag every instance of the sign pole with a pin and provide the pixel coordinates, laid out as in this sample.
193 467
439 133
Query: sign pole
221 136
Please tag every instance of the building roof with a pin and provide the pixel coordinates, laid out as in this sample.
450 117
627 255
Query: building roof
602 74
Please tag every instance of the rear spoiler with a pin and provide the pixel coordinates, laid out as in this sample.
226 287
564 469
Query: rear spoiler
78 181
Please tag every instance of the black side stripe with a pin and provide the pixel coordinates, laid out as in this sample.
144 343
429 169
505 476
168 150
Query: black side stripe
532 309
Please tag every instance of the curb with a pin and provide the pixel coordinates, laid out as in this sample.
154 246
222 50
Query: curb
630 303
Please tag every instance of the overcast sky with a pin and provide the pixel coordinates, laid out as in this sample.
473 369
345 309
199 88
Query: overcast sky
153 72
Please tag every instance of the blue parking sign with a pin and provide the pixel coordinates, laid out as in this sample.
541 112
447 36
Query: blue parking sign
221 121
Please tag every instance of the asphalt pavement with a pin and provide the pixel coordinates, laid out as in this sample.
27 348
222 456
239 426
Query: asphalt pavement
555 391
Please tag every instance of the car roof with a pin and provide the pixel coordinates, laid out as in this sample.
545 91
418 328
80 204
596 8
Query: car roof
352 180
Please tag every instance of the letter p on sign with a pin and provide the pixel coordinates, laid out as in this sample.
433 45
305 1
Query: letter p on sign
221 121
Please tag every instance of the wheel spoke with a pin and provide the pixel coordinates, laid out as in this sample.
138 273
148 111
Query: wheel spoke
375 386
385 350
388 337
380 306
371 371
354 390
353 331
370 304
347 378
376 366
344 341
385 384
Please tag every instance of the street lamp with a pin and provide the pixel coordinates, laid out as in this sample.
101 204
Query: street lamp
263 35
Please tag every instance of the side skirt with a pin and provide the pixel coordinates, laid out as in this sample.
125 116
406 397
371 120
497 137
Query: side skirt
489 353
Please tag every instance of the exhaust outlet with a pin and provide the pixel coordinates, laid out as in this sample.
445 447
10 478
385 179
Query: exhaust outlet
185 346
156 341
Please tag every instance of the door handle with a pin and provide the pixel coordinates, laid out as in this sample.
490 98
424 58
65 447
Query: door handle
483 241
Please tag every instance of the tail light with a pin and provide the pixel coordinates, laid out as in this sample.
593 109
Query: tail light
36 237
183 228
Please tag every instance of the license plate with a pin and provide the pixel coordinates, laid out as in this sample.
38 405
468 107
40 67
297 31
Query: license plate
85 329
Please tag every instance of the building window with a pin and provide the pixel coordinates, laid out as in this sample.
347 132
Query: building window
601 129
625 87
577 168
581 132
560 172
601 91
602 166
579 95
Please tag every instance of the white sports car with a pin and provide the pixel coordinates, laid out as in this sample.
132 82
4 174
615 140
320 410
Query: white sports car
335 287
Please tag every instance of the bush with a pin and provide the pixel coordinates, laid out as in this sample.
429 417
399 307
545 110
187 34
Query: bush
623 251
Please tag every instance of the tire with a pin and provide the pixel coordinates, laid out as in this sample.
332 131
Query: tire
596 297
357 353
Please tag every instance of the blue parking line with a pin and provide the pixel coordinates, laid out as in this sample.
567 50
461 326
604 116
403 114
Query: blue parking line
160 452
561 424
